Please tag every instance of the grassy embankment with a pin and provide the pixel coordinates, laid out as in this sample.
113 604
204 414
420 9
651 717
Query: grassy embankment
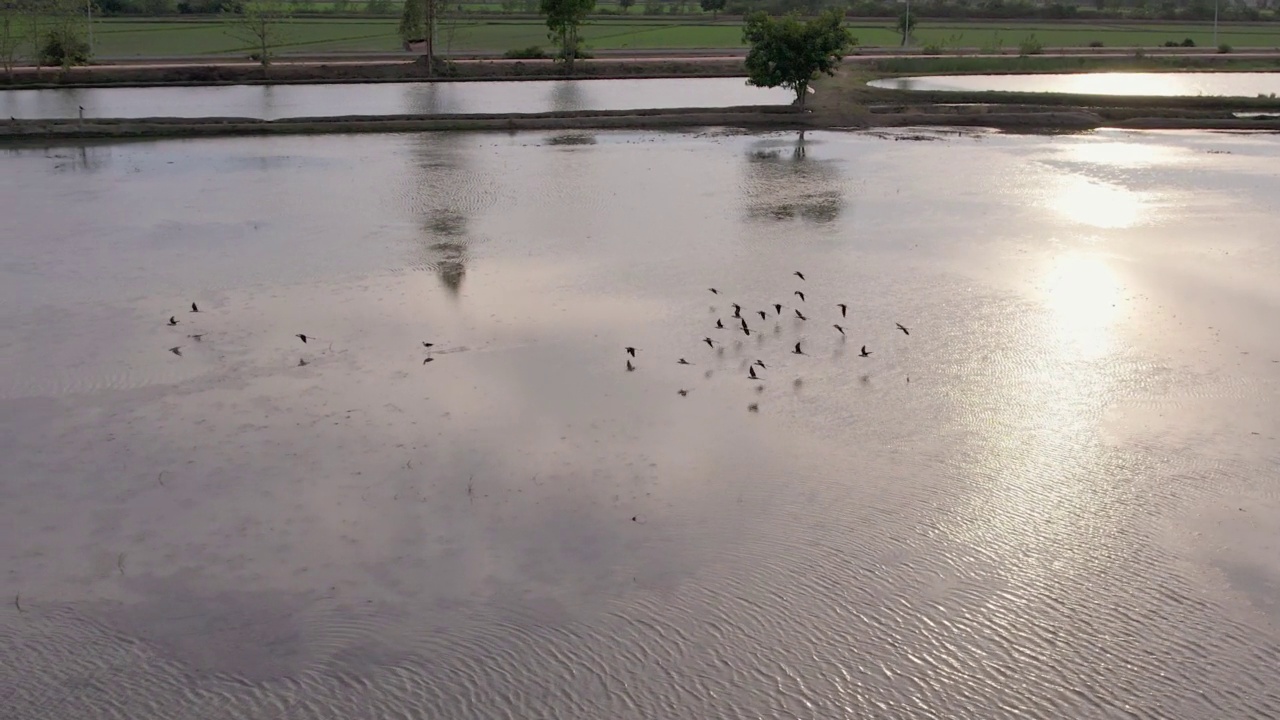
209 37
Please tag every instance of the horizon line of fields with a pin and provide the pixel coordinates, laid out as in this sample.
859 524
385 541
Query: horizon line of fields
121 38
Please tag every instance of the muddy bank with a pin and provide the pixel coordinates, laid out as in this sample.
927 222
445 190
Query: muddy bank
1017 119
1014 119
759 117
360 72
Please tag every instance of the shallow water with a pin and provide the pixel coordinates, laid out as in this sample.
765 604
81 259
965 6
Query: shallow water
272 102
1069 510
1167 84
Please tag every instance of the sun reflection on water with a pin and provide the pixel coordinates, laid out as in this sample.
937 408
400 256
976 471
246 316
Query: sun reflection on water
1103 151
1116 83
1099 204
1082 292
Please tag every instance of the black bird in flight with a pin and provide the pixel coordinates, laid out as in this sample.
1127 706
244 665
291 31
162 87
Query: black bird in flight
753 407
801 315
864 352
844 309
761 364
682 361
427 360
719 324
630 367
737 309
196 337
743 321
904 330
173 320
682 392
714 291
839 328
427 344
777 307
798 274
176 350
797 351
303 338
800 294
631 351
709 342
751 373
763 315
194 308
301 362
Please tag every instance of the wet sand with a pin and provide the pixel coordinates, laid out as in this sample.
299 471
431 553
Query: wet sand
1069 510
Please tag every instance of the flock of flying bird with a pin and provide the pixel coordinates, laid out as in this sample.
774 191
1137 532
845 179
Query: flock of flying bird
764 315
631 351
177 350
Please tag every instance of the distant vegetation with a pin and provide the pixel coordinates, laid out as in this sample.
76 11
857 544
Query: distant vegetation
52 32
1187 10
57 34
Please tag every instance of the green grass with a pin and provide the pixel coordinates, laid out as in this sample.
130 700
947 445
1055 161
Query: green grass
149 38
128 38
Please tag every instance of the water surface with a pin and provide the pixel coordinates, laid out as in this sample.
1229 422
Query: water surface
419 98
1238 84
1055 498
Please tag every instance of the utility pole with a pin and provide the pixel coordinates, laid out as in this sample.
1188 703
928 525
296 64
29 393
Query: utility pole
431 36
1215 23
906 26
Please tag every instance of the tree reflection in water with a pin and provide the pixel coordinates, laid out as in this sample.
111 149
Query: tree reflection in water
444 194
783 184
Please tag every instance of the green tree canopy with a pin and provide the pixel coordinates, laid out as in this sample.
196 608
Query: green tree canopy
791 53
712 6
564 17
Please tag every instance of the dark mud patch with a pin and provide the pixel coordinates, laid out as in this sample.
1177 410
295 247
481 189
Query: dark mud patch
765 116
301 73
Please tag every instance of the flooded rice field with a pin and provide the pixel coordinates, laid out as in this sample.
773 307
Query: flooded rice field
1053 495
272 102
1164 84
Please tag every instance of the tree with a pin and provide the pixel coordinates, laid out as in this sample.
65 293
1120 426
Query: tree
11 34
419 22
57 31
564 17
712 6
906 26
787 52
263 25
626 5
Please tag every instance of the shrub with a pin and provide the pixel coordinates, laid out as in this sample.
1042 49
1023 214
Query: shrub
1188 42
1224 48
533 52
1171 43
1095 43
64 48
1030 46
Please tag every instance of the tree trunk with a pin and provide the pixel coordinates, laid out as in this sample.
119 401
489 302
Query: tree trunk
802 92
570 48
